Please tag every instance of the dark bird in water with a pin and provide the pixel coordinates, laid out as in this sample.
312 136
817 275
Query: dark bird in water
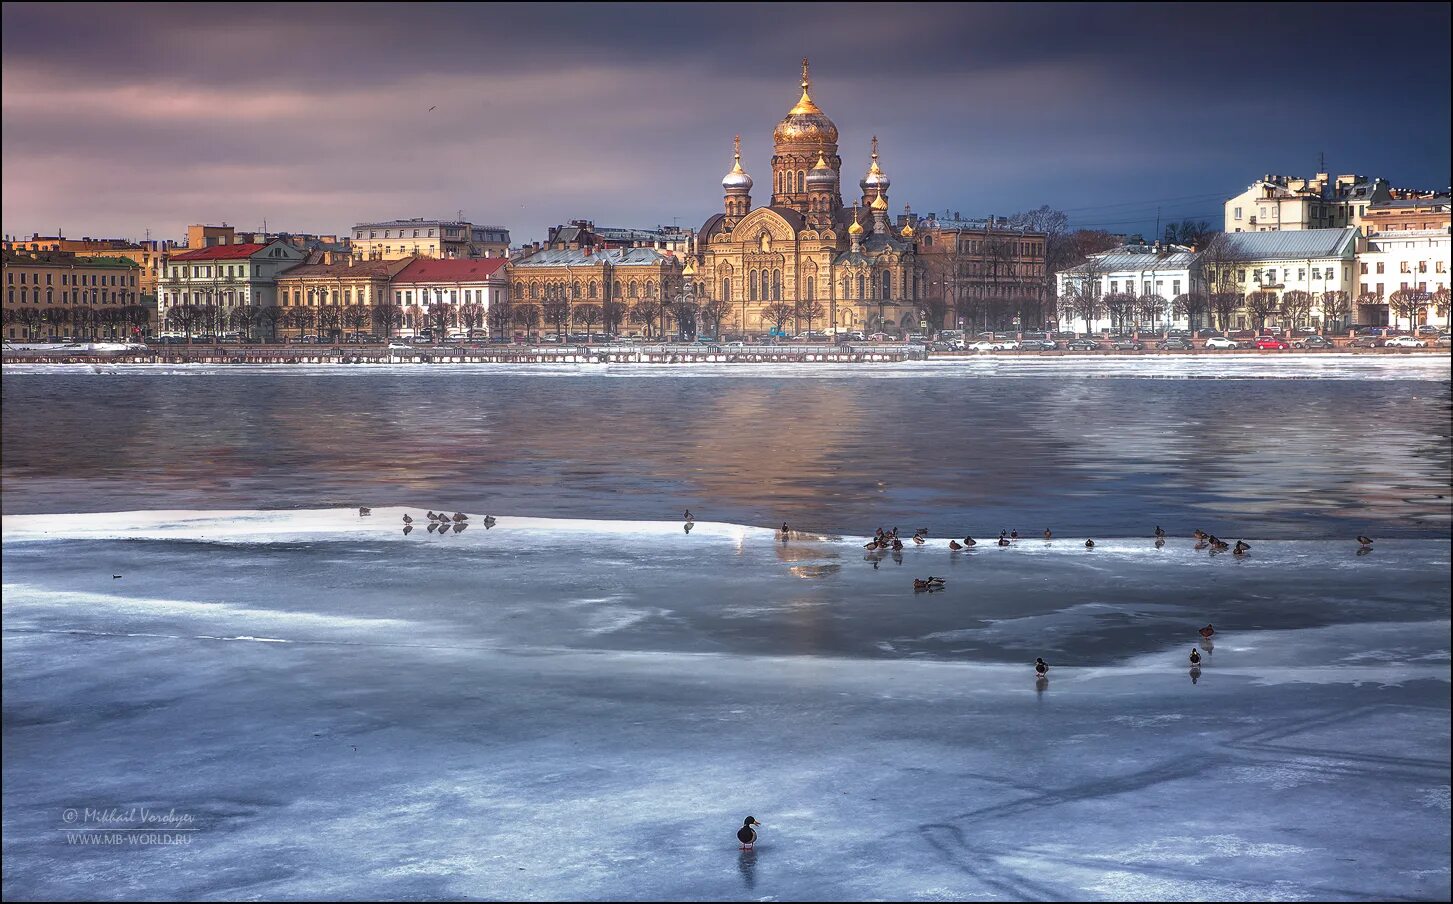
931 583
364 510
871 544
1241 547
1014 534
1159 542
433 526
433 516
460 525
1158 531
1089 544
1047 534
785 531
1195 657
1040 666
408 520
1003 541
917 540
489 521
407 529
897 543
688 515
955 545
1207 631
746 834
460 516
115 576
1200 534
1365 541
1219 544
969 541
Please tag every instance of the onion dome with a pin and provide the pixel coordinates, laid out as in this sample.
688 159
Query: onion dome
690 268
876 179
856 228
805 123
879 204
822 175
907 230
737 180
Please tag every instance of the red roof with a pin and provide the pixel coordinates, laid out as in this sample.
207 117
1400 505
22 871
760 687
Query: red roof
458 269
220 252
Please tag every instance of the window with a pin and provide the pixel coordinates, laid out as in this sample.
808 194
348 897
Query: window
862 293
726 288
887 285
752 286
1240 275
1406 268
1175 287
1301 273
1114 286
1237 213
1379 266
776 285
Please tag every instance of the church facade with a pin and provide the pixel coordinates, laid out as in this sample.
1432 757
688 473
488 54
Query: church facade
806 257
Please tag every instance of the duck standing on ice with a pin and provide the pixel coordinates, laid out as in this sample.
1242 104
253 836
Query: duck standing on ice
747 835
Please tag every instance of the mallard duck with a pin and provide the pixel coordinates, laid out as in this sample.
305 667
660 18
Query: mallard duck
1241 547
364 510
1206 632
955 545
1014 534
1089 544
407 519
460 516
1003 541
1200 534
970 541
897 543
433 517
1047 534
746 834
1365 541
918 541
1158 531
1040 666
687 516
1195 657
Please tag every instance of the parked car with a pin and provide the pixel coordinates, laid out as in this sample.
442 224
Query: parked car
1222 342
983 345
1209 333
1404 342
1445 340
1366 342
1176 344
1181 334
1084 345
1426 330
1269 342
1064 334
1041 345
880 337
397 346
1007 345
1313 341
1126 345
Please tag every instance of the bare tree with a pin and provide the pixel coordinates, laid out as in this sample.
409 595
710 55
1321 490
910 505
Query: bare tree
1260 305
1222 263
1409 303
1296 306
1336 305
302 318
183 317
684 310
527 316
243 319
330 321
1152 308
269 316
500 315
647 312
1086 304
83 318
30 318
441 318
811 309
1440 302
713 312
387 317
777 314
356 317
1120 306
471 314
1192 306
589 315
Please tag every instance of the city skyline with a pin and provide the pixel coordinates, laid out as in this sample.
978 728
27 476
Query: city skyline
149 119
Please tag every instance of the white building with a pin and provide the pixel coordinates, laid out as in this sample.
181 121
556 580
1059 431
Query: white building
1144 271
1315 261
1411 259
461 283
1285 203
225 276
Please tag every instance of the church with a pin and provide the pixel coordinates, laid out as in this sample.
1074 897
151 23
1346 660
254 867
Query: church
838 268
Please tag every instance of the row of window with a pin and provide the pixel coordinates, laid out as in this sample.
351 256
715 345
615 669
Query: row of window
387 233
1407 267
1158 287
536 290
1381 289
71 279
79 296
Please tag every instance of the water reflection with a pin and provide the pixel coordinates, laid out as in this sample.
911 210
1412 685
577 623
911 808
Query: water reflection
1098 457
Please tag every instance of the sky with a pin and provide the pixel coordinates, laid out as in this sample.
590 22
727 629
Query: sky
124 119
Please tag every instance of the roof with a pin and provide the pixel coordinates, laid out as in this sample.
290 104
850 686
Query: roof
361 270
1132 257
66 258
220 252
463 269
1297 243
578 257
420 221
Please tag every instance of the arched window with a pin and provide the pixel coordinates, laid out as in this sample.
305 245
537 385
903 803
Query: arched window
635 289
887 285
752 286
575 290
811 288
861 292
776 285
801 180
617 293
726 288
534 290
49 298
593 289
650 289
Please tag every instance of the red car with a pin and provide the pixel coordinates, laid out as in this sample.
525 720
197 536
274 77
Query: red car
1270 342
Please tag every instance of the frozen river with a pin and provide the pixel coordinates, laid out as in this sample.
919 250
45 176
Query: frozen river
584 702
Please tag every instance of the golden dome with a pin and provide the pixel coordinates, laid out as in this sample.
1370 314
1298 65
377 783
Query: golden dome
907 230
690 268
879 203
805 123
821 162
856 228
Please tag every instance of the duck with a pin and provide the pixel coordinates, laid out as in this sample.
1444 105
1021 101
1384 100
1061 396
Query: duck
115 577
785 531
364 510
1241 547
1003 541
407 519
460 516
1158 532
407 529
1159 542
970 541
1014 534
871 544
1040 666
489 521
897 543
918 540
1220 544
687 516
433 517
1365 541
746 834
1200 534
1206 632
1089 544
1195 657
1047 534
955 545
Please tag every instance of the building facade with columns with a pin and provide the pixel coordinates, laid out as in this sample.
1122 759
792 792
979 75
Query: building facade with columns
225 277
835 265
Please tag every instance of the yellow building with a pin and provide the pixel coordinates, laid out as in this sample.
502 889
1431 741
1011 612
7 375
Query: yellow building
55 293
394 239
836 267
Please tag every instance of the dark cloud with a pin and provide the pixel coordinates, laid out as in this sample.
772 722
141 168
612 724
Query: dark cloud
119 118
